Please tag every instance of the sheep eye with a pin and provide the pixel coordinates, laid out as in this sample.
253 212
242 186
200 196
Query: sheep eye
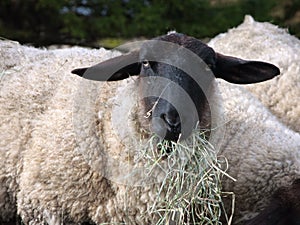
146 63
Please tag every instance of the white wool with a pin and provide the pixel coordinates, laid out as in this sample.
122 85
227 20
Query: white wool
29 79
263 154
266 42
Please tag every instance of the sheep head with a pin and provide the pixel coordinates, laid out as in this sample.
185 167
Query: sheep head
175 75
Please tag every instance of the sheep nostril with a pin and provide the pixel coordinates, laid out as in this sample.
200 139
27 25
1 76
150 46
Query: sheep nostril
173 121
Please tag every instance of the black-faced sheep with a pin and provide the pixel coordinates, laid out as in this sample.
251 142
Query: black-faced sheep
55 163
151 63
165 118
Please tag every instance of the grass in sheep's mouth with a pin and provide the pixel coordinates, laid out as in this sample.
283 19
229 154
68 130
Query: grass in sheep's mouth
164 148
190 190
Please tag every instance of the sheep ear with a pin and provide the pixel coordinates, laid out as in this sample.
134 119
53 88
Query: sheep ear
241 71
114 69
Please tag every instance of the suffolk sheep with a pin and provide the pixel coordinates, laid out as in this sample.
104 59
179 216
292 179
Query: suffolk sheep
265 41
167 114
58 139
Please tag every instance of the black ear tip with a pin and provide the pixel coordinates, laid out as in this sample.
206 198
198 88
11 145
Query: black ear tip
79 71
276 71
273 71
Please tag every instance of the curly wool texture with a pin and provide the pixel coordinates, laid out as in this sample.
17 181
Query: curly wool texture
31 79
264 41
263 154
20 106
52 173
62 182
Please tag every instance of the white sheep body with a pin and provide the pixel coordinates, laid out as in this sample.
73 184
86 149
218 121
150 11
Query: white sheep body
51 179
30 79
63 181
266 42
262 153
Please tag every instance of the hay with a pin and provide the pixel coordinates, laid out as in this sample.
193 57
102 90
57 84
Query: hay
191 190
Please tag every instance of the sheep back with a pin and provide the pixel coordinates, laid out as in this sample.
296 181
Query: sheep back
264 41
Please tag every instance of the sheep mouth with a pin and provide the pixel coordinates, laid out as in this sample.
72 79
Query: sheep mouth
166 145
164 148
172 136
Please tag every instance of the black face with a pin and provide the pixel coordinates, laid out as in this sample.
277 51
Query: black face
174 99
173 96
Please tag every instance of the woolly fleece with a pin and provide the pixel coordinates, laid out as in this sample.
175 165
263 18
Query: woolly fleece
267 42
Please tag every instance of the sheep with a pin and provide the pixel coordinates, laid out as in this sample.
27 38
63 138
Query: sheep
233 137
261 70
265 41
62 173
